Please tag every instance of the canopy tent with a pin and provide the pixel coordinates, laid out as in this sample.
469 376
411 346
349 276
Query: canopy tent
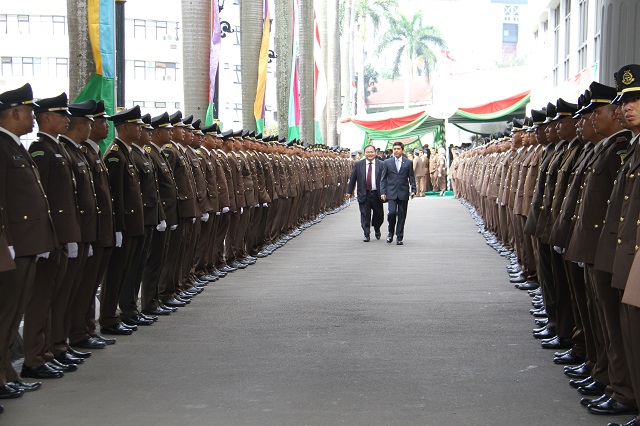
493 116
418 122
415 122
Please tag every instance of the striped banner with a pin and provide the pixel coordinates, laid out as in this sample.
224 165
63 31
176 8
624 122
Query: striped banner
101 26
259 104
319 81
294 87
214 61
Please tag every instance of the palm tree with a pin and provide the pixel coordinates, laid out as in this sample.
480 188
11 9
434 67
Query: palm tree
196 34
81 65
413 41
365 13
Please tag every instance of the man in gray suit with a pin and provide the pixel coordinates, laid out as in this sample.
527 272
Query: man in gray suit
397 184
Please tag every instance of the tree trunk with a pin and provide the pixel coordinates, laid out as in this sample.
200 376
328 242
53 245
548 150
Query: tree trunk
196 38
345 71
81 63
352 52
283 48
333 71
408 78
362 109
306 30
251 25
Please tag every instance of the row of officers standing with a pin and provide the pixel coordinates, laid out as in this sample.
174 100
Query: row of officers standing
560 197
168 208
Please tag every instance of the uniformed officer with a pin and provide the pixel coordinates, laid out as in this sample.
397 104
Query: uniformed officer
129 216
27 228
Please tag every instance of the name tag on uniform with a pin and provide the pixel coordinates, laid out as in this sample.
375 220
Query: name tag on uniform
59 156
18 157
80 164
145 163
131 166
98 161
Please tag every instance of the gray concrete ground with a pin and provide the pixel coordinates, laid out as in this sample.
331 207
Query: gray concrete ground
330 330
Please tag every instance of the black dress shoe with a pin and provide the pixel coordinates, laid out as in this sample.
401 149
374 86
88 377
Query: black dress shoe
156 311
66 359
116 329
182 299
65 368
611 408
40 372
153 318
78 354
168 308
136 321
7 392
89 343
556 343
545 334
389 238
575 383
530 285
399 242
518 280
366 239
580 372
561 353
588 401
173 303
541 321
25 387
540 314
378 234
568 359
106 340
592 389
632 422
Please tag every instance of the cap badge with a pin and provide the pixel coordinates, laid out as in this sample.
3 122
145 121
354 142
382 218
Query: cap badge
627 78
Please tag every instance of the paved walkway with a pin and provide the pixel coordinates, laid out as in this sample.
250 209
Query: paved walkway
330 330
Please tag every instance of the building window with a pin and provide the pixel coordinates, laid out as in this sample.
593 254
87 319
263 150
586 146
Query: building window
140 103
62 67
3 24
556 44
177 105
583 33
23 24
21 67
567 39
511 13
237 69
597 32
236 32
138 70
165 71
160 105
59 25
139 28
161 30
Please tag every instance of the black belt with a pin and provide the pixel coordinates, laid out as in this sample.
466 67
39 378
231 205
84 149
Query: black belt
373 190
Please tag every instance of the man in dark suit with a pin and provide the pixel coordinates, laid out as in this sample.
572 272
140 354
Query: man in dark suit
397 184
367 173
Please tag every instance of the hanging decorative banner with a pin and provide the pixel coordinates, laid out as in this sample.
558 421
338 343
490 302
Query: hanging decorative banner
214 60
101 24
294 87
260 103
319 81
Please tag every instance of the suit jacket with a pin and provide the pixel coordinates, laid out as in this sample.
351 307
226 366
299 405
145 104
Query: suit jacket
59 184
85 191
125 189
27 224
106 234
359 176
397 185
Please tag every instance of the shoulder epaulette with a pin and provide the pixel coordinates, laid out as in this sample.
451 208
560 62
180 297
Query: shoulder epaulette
115 147
166 146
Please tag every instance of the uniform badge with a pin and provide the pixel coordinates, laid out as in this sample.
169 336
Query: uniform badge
83 149
113 160
147 149
115 147
34 154
627 77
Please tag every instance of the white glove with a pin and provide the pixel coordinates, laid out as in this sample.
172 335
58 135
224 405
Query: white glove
118 239
338 184
257 205
72 248
42 256
581 264
90 253
13 252
439 175
193 220
265 205
217 213
162 226
241 210
205 217
173 227
557 249
225 210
